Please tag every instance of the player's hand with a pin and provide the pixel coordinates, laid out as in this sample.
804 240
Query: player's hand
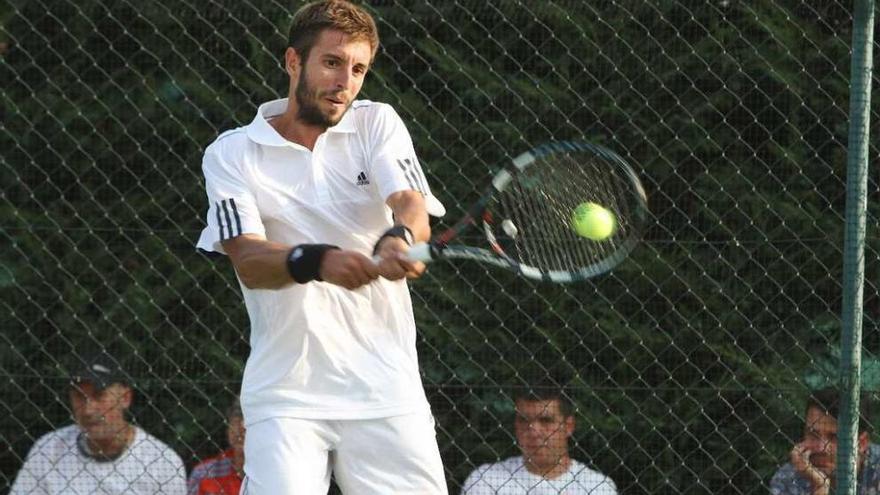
348 269
800 459
395 264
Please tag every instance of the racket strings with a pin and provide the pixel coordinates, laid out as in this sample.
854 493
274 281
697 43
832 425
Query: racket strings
540 202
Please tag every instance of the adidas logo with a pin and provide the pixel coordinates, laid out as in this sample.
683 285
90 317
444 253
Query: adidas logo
362 179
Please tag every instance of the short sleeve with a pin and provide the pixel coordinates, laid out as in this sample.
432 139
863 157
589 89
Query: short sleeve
475 484
161 465
232 206
175 484
606 486
394 162
34 469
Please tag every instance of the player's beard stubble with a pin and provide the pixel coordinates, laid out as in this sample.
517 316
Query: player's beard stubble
307 101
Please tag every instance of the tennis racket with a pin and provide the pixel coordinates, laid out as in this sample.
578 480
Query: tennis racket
525 216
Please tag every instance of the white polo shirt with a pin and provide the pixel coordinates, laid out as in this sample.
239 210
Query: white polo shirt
55 465
318 350
510 477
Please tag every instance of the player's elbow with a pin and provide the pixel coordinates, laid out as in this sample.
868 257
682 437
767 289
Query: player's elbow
253 275
249 280
257 266
245 275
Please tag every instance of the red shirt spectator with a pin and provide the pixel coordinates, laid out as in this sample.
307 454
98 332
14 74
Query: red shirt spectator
222 474
215 476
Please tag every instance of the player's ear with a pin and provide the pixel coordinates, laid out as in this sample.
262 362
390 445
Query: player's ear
291 61
127 397
569 425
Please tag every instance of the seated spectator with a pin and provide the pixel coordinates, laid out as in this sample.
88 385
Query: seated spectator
102 453
222 474
813 460
544 423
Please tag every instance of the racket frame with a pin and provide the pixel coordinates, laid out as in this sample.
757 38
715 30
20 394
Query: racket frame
439 246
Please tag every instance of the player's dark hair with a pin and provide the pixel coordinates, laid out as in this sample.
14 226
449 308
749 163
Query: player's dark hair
545 390
828 401
339 15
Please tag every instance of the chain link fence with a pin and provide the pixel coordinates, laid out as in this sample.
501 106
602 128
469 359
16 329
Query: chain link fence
689 364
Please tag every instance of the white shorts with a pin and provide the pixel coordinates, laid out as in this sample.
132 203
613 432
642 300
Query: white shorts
287 456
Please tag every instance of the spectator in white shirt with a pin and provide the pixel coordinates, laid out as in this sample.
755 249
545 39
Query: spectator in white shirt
102 453
543 425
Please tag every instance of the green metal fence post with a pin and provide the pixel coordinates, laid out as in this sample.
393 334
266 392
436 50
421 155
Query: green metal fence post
854 244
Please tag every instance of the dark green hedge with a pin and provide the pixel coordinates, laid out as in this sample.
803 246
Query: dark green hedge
688 364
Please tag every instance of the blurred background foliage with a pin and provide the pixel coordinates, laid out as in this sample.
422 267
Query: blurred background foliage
689 364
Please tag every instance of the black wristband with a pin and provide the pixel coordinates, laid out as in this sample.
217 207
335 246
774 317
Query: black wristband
304 261
399 231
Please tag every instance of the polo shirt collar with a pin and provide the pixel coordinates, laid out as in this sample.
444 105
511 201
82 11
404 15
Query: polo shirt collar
261 132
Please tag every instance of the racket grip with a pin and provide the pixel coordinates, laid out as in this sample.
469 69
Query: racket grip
420 251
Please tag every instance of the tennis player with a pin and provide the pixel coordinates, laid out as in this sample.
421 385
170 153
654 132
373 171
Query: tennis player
300 200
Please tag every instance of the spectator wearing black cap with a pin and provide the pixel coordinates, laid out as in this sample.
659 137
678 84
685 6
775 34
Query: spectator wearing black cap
102 452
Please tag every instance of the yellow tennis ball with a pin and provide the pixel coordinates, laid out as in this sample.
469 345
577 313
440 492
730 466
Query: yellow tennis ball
593 221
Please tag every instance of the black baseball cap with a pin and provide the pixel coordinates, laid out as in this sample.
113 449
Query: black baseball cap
99 369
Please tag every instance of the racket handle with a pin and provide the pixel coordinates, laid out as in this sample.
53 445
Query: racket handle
420 251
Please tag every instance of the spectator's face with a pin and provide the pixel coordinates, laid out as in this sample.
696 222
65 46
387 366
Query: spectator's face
542 432
331 77
820 437
235 435
100 414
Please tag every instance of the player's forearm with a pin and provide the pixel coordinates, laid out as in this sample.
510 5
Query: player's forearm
260 264
266 269
409 210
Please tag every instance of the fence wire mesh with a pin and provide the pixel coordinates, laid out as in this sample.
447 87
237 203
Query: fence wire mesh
689 364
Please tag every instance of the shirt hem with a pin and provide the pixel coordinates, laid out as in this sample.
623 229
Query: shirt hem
336 413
